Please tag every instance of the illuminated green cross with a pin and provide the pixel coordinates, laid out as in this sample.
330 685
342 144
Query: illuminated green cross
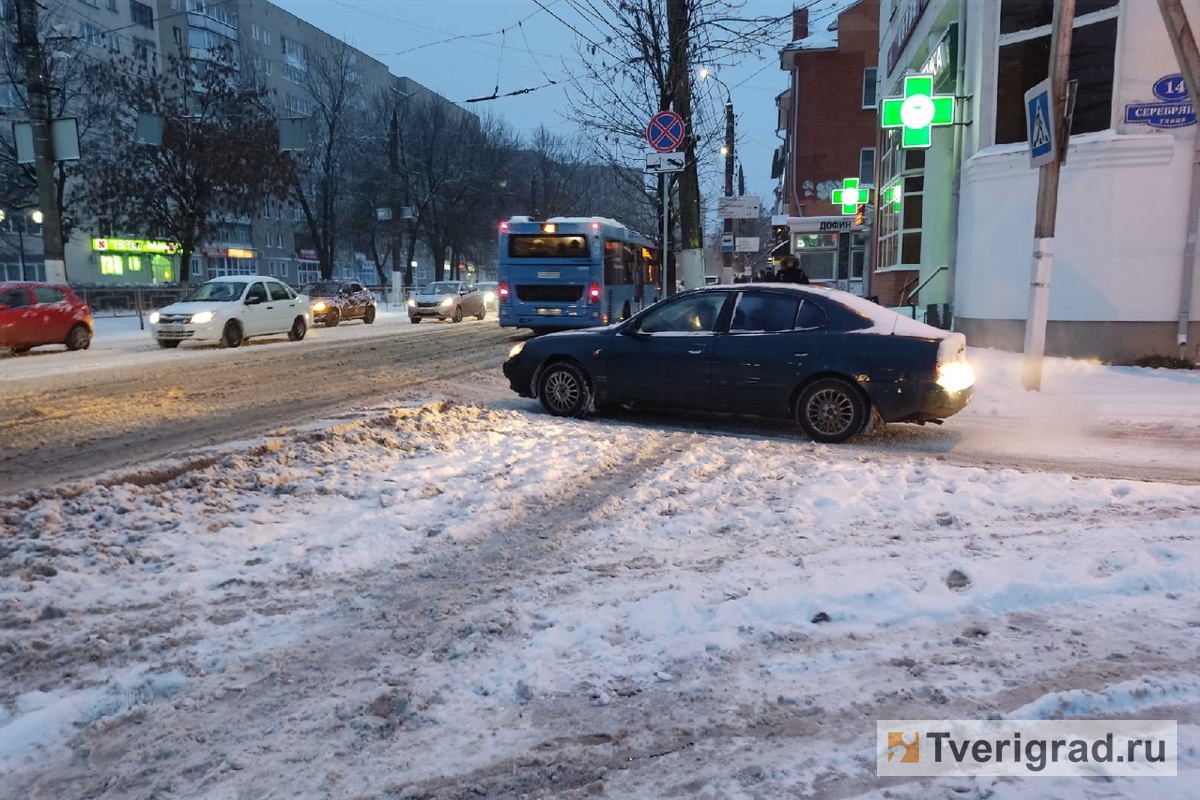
892 195
918 111
850 196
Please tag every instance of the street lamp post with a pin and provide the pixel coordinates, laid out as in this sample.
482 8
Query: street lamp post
728 150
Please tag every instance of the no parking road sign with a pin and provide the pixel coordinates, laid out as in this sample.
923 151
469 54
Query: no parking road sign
665 131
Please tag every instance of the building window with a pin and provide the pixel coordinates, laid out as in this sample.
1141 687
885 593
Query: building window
1024 60
869 87
114 43
901 205
141 14
92 3
255 33
866 166
89 33
178 35
112 5
266 37
144 50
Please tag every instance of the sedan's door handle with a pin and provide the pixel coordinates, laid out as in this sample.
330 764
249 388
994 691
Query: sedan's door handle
800 355
696 352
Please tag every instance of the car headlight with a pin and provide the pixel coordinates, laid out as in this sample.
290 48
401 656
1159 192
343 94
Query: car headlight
319 306
516 350
201 317
449 301
489 297
154 317
412 303
955 376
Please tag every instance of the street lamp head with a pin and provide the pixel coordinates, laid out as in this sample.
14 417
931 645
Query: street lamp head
36 216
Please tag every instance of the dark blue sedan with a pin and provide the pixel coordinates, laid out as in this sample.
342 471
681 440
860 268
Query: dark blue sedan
828 359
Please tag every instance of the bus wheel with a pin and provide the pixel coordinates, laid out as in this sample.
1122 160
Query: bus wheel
564 390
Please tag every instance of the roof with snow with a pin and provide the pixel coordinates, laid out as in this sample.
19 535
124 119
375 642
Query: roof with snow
822 25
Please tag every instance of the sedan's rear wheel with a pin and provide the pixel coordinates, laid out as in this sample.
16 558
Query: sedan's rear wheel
232 335
79 338
299 329
831 411
369 315
332 318
564 390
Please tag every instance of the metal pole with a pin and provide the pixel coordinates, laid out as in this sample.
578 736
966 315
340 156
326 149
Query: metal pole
664 188
1186 52
1047 201
727 255
43 149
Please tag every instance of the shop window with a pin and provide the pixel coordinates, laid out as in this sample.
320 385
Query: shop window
111 265
1024 60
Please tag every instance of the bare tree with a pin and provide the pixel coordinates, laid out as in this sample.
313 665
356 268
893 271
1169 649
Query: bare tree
640 62
219 158
338 135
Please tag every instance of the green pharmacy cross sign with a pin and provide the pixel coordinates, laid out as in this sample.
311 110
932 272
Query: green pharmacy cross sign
918 111
849 197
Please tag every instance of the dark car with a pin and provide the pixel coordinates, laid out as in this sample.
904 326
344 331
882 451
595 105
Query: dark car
335 301
829 359
34 314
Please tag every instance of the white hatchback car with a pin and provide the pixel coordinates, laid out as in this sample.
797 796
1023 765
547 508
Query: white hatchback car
231 309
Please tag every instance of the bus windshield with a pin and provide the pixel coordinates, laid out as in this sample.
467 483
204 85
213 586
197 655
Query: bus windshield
543 245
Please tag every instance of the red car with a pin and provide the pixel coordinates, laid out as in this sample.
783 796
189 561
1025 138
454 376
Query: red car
34 314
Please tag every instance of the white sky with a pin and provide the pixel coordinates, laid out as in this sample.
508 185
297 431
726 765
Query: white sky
431 588
466 49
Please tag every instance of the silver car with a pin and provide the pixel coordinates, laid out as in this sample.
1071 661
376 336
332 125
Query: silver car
450 300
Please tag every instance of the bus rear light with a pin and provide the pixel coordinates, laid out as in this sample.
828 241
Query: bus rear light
502 291
594 293
549 227
595 226
503 226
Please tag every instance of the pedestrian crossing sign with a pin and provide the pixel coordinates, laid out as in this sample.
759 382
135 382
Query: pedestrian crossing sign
1040 124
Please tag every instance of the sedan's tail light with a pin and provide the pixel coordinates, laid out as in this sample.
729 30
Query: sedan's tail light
502 291
594 293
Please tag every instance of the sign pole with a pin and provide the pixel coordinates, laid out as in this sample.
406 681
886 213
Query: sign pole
664 191
1047 202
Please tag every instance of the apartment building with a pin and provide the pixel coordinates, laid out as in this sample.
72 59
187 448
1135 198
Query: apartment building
277 50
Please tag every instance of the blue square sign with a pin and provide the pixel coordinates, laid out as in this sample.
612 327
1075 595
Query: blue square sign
1040 125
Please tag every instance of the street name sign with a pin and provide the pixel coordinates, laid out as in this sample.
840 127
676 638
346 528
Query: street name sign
740 207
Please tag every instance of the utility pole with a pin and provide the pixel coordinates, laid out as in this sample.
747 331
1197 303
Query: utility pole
397 214
727 255
1188 56
43 148
1047 200
691 232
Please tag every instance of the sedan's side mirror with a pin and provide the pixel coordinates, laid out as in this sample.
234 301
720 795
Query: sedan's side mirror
253 300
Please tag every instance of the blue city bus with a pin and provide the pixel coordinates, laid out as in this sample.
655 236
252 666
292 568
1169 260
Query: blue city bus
574 272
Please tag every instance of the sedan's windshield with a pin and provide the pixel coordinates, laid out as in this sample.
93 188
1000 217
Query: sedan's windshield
441 288
223 291
324 289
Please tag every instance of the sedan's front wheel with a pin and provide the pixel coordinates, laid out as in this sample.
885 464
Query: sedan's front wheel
564 390
369 315
457 314
168 344
232 335
831 411
299 329
79 338
332 318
